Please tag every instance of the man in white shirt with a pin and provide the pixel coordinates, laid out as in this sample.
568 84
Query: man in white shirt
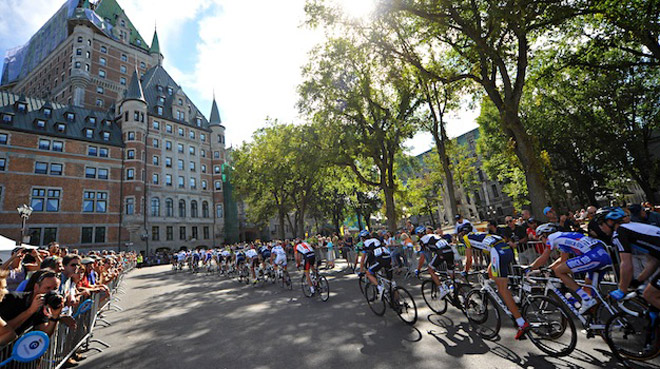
460 221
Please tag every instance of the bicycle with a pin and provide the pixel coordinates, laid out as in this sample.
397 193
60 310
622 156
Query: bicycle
632 333
284 278
450 291
548 319
398 298
320 283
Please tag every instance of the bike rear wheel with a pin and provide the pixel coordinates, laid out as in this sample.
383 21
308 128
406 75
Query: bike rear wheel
404 305
362 281
376 304
552 329
632 337
305 286
483 314
431 295
324 288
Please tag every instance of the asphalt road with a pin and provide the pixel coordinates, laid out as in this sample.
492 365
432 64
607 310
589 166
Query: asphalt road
180 320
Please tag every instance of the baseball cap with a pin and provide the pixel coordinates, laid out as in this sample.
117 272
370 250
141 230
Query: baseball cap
87 261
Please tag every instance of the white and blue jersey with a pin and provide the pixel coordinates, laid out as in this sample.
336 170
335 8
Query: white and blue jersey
590 253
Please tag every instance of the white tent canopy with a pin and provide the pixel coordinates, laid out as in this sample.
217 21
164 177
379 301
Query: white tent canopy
7 245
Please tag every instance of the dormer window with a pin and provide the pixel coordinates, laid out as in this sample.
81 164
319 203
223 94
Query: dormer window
170 91
60 127
161 100
70 116
159 88
122 23
21 107
7 118
198 120
40 123
180 102
142 64
105 136
48 112
107 122
89 133
91 120
159 110
139 42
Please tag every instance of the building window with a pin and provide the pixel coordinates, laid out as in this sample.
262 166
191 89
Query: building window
122 68
45 200
93 235
3 138
56 169
168 162
156 125
192 166
90 172
77 65
99 102
3 164
168 180
101 73
130 136
170 91
142 64
95 202
122 81
159 110
168 128
206 233
58 146
48 113
103 152
219 211
180 165
154 160
79 51
216 155
168 145
205 209
179 148
100 90
40 168
103 62
92 151
154 178
216 169
182 133
156 143
89 133
103 174
7 118
194 233
130 206
169 207
60 127
202 137
104 49
49 235
203 168
191 134
193 183
124 58
130 174
182 182
182 233
169 233
22 107
182 208
191 149
105 136
193 209
495 192
155 233
155 207
44 144
204 184
130 154
218 186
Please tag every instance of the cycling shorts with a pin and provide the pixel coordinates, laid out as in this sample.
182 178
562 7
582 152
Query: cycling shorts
382 263
591 261
310 260
500 261
240 259
280 260
442 257
254 261
265 255
655 281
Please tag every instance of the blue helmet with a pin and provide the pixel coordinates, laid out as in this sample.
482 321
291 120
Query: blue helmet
420 229
465 228
615 214
364 233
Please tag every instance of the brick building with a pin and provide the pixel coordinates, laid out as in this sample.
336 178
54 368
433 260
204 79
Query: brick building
99 139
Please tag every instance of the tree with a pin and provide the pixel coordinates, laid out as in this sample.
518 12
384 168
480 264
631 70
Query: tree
365 110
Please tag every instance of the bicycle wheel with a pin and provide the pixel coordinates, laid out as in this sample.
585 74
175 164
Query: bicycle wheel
483 314
305 286
431 295
552 329
461 291
632 337
362 281
324 288
404 305
287 281
377 305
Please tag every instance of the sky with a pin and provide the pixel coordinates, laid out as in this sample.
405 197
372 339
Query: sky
248 52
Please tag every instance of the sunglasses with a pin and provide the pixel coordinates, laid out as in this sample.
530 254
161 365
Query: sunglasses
74 265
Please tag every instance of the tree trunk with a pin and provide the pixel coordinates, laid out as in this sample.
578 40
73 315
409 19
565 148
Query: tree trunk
530 160
280 216
440 144
390 211
301 223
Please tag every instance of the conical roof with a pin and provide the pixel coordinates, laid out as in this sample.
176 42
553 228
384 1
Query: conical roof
215 114
155 45
135 89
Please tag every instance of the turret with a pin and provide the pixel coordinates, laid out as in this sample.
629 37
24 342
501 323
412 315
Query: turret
154 50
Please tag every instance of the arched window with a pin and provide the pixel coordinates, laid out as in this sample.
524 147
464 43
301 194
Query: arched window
169 207
193 209
155 207
182 208
205 209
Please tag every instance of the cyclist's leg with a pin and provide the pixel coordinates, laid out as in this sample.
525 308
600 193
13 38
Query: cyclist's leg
652 292
498 270
433 264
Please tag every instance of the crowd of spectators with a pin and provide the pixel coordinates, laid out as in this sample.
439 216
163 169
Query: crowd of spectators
43 287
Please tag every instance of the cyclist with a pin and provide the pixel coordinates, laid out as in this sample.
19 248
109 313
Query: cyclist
590 256
278 257
239 258
376 256
440 250
194 261
253 261
303 249
265 254
501 256
224 257
625 237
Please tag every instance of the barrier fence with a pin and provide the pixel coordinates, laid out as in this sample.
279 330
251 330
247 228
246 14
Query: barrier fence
65 341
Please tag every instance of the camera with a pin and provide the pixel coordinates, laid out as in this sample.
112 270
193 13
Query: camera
53 299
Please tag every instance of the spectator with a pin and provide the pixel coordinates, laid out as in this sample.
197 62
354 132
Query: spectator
446 237
516 237
18 266
460 221
53 263
566 224
6 331
492 227
595 231
642 215
331 253
532 223
526 214
550 213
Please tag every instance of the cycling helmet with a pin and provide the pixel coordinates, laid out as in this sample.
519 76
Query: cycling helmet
615 214
364 233
546 228
465 228
420 229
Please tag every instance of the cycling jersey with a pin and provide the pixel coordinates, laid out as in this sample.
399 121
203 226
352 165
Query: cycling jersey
375 247
590 252
643 237
264 251
435 243
501 254
305 249
225 253
278 250
251 253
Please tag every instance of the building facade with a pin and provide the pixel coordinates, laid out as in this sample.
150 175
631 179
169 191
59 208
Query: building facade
136 164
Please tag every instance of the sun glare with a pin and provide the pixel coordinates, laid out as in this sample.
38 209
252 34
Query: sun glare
358 9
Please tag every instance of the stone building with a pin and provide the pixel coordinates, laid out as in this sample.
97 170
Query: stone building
131 139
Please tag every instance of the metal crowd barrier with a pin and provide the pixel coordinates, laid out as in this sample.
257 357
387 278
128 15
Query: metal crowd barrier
64 342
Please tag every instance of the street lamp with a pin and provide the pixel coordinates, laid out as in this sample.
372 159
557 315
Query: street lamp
24 211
